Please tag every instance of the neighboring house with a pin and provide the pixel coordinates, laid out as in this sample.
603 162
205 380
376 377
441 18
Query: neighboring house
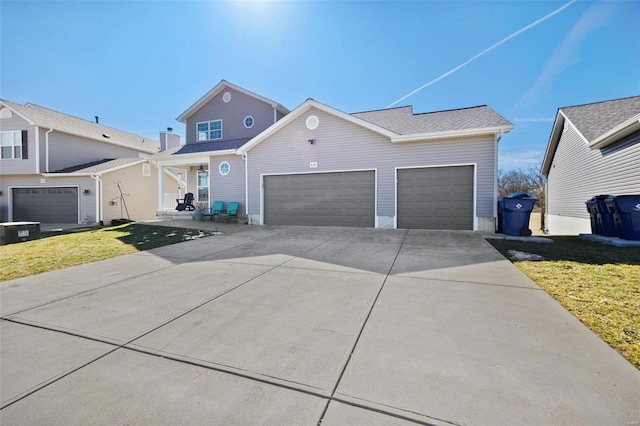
317 165
594 149
55 168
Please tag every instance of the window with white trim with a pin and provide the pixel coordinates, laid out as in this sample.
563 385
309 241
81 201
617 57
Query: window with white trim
224 168
248 122
203 187
11 144
209 130
146 169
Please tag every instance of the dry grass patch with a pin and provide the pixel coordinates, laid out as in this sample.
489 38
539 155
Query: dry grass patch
599 284
79 246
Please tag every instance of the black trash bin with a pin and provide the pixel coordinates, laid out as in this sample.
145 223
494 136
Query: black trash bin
627 216
515 212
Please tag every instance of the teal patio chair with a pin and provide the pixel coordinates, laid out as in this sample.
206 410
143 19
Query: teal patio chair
231 212
216 209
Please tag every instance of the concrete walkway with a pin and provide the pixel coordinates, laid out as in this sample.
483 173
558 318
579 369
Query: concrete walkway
298 325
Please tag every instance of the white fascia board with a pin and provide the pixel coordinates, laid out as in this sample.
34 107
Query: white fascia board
182 118
617 133
301 109
450 134
61 175
188 159
554 139
100 173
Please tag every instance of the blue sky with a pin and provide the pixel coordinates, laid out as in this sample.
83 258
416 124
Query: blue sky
139 64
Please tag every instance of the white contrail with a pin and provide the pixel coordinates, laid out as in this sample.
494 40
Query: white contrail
504 40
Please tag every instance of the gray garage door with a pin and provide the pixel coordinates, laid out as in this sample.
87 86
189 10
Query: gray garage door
435 198
322 199
47 205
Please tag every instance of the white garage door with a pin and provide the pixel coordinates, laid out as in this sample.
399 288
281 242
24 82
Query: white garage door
320 199
46 205
435 198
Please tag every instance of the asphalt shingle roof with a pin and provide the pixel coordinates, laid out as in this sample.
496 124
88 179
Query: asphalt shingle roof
197 147
45 117
98 166
403 121
594 120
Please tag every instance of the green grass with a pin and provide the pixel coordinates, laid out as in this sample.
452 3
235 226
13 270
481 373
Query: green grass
598 283
78 246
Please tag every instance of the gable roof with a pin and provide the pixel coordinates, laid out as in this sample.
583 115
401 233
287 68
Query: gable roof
596 119
47 118
301 109
401 125
600 124
217 90
403 121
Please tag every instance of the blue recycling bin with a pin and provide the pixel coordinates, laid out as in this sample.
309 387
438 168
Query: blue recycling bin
626 212
592 208
602 220
515 212
611 220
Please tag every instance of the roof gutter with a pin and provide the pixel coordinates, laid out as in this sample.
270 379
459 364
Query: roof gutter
630 126
46 150
452 134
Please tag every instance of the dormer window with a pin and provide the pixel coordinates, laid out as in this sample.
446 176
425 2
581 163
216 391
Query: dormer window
209 130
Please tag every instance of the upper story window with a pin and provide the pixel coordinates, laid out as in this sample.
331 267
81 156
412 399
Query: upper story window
11 145
248 122
209 130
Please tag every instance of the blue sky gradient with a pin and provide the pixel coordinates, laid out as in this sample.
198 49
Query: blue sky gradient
139 64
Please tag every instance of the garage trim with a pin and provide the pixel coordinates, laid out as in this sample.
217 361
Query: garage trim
375 187
11 188
475 187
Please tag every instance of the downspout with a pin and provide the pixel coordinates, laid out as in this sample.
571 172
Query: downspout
37 149
245 157
46 149
98 191
275 115
497 137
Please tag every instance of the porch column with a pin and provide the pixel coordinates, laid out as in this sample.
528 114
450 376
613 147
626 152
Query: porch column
160 188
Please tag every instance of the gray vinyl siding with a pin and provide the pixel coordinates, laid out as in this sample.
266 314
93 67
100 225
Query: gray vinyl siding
68 150
577 173
10 166
343 146
230 187
232 115
87 202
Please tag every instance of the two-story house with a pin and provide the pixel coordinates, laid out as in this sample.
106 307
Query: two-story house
56 168
594 149
317 165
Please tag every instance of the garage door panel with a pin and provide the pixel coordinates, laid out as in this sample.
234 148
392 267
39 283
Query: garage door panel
435 198
324 199
47 205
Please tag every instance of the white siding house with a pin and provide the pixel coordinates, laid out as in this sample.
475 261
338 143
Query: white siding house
594 149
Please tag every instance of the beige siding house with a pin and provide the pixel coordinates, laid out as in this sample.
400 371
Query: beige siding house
317 165
56 168
594 149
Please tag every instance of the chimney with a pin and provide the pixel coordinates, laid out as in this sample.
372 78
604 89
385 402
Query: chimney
97 120
169 139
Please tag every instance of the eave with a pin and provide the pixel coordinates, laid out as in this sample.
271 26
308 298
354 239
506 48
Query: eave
624 129
447 134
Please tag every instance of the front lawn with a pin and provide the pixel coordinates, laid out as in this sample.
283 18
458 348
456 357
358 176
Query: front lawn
598 283
78 246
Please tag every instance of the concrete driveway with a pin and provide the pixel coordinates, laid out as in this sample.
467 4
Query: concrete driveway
298 325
